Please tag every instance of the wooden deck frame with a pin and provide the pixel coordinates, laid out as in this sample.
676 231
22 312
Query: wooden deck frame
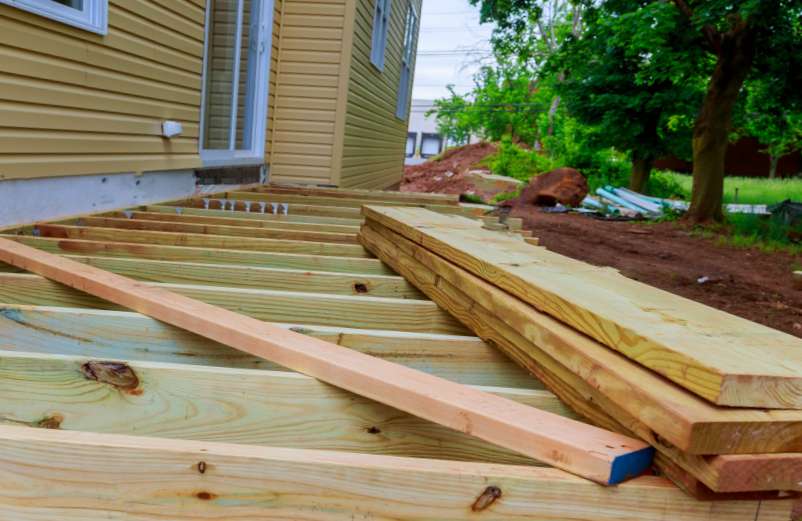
593 453
96 334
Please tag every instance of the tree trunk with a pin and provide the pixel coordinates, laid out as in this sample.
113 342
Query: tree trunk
773 160
711 132
641 169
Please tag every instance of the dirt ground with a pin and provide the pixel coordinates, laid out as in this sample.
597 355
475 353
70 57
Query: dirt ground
746 282
446 176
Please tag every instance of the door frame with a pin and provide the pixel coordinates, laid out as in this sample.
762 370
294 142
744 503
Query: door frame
255 155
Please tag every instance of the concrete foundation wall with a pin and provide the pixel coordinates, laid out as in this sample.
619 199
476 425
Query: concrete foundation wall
24 201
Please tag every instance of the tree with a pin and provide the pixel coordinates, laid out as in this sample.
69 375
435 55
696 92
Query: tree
635 99
739 37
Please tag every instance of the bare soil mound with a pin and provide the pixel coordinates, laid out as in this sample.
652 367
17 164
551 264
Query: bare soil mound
446 175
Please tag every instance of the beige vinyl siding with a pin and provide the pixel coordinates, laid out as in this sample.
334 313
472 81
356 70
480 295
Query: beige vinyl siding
374 138
271 96
74 102
309 65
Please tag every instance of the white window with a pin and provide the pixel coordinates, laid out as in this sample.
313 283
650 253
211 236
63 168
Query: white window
381 21
91 15
405 86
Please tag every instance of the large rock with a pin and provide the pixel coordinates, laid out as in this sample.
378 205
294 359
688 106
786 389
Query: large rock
563 185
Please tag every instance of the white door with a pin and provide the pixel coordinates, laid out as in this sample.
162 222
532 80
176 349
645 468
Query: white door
236 67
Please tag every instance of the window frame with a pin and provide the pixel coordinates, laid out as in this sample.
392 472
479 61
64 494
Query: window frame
94 17
411 26
382 12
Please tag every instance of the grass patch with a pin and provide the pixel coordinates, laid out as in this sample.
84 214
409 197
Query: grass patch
750 190
754 231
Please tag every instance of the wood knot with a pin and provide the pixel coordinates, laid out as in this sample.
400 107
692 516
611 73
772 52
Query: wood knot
373 430
205 496
116 374
360 287
50 422
486 498
202 467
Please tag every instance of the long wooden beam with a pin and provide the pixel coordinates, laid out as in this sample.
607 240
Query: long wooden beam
299 203
171 215
201 240
720 357
471 300
599 455
124 223
105 248
79 476
252 277
235 405
363 195
275 306
94 333
198 207
299 210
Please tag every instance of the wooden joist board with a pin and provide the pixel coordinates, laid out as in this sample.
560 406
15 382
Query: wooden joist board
158 252
274 306
362 195
494 316
722 358
584 450
81 476
120 335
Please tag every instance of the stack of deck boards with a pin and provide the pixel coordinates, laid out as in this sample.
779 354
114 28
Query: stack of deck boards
719 397
106 413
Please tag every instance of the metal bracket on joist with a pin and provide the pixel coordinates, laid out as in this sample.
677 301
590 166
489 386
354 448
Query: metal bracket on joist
263 206
179 210
286 208
206 203
128 214
247 205
36 232
275 208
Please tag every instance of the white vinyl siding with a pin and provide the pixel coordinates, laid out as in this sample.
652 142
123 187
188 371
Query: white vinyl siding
91 15
381 20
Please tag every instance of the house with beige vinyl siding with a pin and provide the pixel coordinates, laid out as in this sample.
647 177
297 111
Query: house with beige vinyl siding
107 103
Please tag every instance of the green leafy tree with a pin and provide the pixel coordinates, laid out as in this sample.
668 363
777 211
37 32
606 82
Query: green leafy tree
739 39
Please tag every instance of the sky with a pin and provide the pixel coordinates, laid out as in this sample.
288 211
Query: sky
451 47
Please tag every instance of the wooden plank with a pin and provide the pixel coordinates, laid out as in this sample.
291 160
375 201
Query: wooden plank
338 212
245 406
170 215
94 333
254 215
587 451
344 203
355 265
723 358
251 277
46 474
215 229
199 240
364 195
421 316
676 415
481 316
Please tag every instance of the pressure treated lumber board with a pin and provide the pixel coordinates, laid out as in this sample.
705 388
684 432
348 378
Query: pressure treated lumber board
721 357
599 455
296 209
333 202
197 207
245 406
676 415
201 240
184 480
274 306
170 215
158 252
363 195
583 397
94 333
236 276
214 229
